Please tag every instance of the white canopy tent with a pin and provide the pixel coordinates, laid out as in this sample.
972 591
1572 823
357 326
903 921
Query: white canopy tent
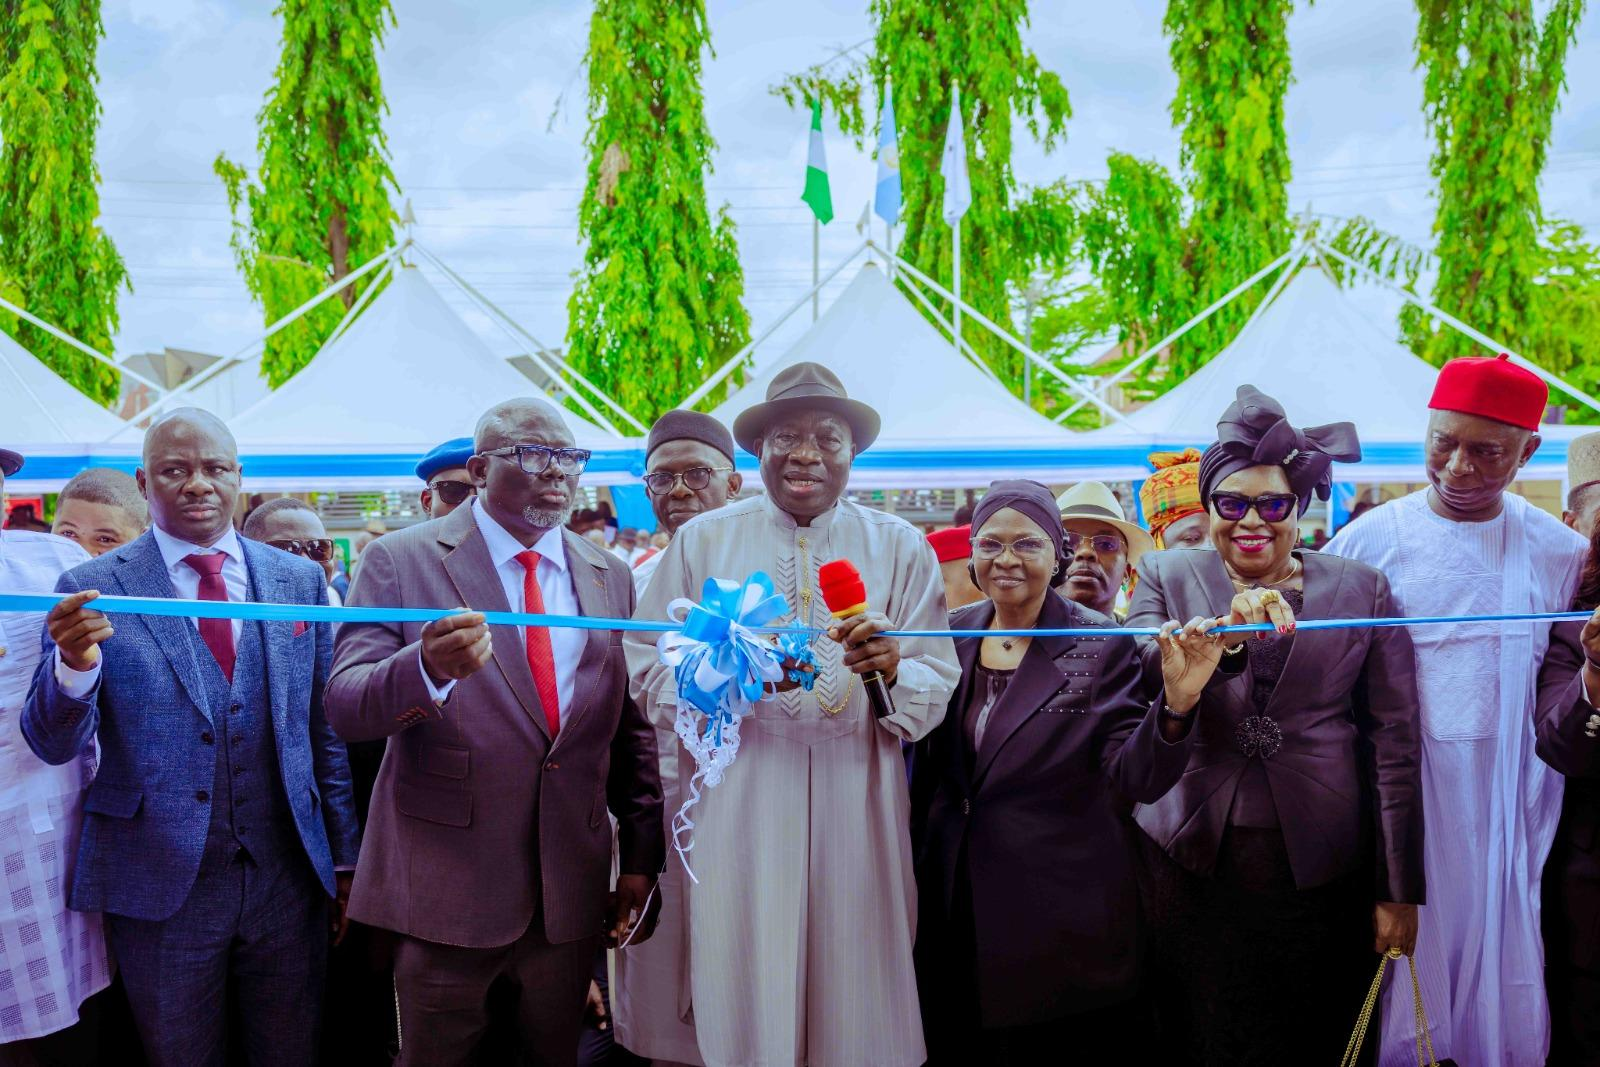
945 422
48 421
403 376
1313 351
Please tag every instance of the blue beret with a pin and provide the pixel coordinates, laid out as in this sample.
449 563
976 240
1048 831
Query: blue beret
454 453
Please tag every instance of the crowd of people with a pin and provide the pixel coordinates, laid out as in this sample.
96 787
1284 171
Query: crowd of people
286 842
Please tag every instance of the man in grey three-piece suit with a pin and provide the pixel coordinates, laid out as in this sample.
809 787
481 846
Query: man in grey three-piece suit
488 848
222 806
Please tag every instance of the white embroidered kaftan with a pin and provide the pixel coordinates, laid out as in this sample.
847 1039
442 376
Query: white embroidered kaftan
799 932
1491 805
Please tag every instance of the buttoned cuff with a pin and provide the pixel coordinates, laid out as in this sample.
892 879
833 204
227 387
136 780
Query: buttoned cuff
76 684
437 693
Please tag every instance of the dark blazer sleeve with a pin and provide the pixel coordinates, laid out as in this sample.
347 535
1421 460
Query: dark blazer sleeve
1140 762
55 725
633 785
376 688
1561 712
1386 711
330 761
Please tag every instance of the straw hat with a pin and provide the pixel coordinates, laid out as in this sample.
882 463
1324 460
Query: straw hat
1092 500
1583 461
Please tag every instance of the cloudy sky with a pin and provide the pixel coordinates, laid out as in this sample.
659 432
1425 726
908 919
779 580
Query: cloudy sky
473 86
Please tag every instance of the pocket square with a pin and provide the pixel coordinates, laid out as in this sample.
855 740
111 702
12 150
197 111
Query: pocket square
301 627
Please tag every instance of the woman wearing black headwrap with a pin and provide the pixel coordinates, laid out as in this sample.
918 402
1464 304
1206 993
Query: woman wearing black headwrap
1027 898
1291 851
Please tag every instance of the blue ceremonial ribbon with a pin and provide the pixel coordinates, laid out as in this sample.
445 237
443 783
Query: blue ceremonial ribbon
248 610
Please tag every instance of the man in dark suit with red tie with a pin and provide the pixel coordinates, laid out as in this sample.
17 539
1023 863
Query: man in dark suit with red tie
488 848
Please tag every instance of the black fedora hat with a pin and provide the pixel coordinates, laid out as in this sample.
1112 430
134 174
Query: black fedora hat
806 387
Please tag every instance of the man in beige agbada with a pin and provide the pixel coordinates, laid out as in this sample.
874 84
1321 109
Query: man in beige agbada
799 931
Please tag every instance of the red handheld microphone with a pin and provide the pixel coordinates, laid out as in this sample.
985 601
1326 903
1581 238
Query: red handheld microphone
846 595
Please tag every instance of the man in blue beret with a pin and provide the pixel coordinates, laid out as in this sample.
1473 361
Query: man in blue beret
444 473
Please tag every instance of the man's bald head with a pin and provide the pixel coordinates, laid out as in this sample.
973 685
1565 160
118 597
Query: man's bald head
190 475
520 421
189 421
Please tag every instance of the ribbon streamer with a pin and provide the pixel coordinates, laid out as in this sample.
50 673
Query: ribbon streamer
250 610
722 667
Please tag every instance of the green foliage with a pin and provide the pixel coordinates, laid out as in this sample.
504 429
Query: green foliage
658 302
54 259
321 208
1565 333
922 46
1494 75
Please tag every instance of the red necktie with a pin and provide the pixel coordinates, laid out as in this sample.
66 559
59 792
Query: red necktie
216 633
541 660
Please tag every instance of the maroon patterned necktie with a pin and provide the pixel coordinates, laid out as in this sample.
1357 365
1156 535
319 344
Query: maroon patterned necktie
216 633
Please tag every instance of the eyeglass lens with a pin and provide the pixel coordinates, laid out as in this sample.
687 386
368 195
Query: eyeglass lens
536 459
663 482
1233 507
450 492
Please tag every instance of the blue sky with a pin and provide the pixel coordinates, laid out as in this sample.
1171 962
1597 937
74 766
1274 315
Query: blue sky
487 123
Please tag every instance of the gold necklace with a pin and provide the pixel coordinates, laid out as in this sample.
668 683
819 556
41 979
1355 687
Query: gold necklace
1295 567
805 600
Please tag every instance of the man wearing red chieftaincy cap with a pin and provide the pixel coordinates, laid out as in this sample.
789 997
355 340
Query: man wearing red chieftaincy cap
1465 546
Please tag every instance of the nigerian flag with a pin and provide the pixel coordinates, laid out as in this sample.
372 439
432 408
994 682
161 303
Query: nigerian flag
817 193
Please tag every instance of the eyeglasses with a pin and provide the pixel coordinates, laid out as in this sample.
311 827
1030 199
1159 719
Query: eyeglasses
694 479
1272 507
452 493
536 459
317 549
1103 544
825 441
1022 547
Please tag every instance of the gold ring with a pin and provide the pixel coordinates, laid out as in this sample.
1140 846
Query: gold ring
1270 596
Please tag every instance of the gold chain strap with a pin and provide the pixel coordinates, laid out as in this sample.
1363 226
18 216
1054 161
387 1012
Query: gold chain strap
829 710
1352 1051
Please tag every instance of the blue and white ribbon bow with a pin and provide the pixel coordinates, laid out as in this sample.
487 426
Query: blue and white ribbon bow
722 666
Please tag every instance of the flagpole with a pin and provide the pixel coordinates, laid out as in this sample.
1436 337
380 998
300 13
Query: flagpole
955 231
816 263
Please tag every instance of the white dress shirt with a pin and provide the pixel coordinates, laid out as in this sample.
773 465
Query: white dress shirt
186 583
61 958
555 586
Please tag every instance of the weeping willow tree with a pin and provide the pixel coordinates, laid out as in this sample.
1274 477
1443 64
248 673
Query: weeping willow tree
922 48
320 207
1493 77
55 261
658 302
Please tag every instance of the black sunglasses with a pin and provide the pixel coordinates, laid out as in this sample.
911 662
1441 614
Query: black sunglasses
1272 507
694 479
317 549
452 493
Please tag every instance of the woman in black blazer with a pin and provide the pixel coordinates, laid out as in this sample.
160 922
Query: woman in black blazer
1027 898
1291 850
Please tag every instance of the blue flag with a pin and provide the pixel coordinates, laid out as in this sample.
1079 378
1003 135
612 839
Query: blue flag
886 204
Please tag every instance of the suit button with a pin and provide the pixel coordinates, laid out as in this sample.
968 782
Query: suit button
2 651
205 738
552 766
234 708
238 772
966 806
237 739
202 796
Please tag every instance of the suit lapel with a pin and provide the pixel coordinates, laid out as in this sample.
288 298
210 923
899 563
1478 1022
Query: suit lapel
967 650
144 574
472 572
1038 676
588 574
270 585
1319 590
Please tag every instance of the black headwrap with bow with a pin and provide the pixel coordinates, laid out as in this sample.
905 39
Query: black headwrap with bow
1255 432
